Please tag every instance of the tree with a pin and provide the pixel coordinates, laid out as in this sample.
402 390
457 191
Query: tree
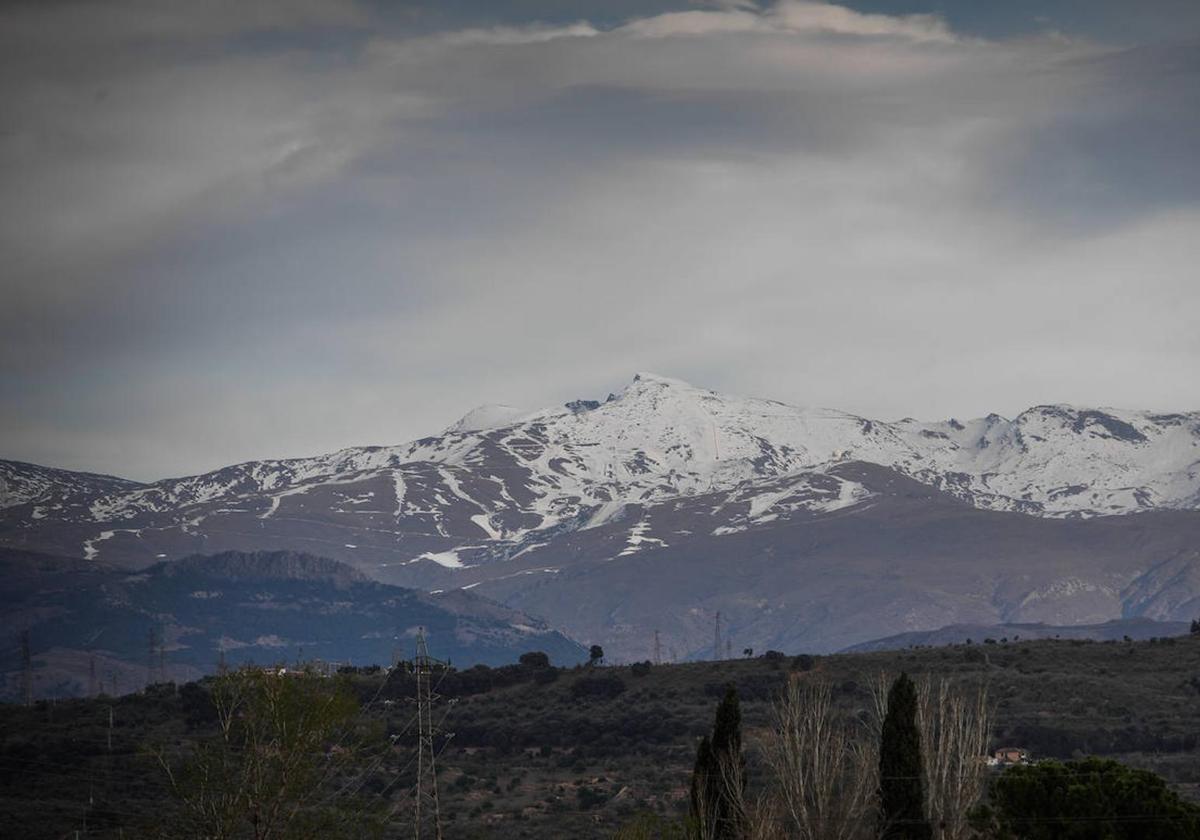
595 655
1079 800
803 662
901 788
535 659
276 751
719 776
955 725
823 774
699 797
1196 627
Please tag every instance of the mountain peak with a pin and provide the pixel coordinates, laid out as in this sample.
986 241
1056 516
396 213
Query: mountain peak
648 378
487 416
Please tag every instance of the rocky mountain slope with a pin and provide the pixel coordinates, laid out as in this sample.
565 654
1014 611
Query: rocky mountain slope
90 625
664 475
1117 630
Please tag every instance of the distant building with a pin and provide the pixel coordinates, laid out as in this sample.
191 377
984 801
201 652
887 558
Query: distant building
1005 756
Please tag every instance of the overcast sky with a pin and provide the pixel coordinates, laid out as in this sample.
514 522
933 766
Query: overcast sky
237 230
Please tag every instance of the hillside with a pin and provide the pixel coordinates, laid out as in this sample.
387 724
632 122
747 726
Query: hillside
578 752
90 626
1136 629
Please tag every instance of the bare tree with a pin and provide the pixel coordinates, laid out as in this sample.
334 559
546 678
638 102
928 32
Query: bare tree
259 776
824 770
955 724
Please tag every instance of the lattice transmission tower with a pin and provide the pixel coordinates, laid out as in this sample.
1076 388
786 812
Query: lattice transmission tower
427 816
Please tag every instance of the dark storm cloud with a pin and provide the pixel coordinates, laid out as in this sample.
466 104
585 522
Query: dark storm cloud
278 229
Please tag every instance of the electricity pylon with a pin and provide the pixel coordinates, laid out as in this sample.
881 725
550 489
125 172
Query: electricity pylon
427 808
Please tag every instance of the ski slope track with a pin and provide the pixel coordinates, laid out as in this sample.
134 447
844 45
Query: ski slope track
518 502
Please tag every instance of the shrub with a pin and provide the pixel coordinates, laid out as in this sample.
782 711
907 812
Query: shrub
1093 797
604 686
535 659
803 662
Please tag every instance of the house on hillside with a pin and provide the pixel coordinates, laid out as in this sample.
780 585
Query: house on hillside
1006 756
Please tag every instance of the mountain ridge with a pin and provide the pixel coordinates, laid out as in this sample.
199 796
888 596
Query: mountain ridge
89 622
694 427
543 508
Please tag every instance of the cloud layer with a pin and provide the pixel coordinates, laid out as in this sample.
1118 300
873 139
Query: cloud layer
285 229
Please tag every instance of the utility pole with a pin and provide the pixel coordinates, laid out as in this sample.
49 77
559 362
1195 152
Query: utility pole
221 666
26 670
91 674
717 637
657 649
427 806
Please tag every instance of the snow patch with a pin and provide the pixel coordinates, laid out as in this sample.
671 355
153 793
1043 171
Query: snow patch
485 523
90 552
449 559
637 538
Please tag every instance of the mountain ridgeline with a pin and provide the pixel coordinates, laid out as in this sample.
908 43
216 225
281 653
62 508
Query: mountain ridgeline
807 529
96 628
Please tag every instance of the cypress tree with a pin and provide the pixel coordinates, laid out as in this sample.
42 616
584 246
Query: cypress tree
901 786
701 809
718 779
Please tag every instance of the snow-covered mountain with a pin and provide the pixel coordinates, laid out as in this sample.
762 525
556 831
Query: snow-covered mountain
660 438
659 463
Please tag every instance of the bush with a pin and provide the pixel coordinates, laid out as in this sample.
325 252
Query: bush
535 659
1083 799
803 662
589 799
605 686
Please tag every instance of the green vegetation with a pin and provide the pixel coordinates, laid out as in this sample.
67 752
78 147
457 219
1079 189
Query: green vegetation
283 745
527 745
1079 800
901 775
717 791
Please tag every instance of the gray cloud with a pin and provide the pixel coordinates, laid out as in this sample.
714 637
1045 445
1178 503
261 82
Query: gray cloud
271 233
